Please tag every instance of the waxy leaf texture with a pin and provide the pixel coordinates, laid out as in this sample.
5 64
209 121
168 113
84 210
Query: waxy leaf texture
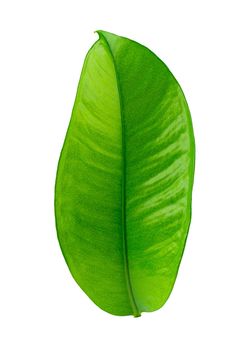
124 179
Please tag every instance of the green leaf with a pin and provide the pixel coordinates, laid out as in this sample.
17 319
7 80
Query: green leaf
124 179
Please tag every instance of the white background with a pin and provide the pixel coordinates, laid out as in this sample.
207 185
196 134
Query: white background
42 48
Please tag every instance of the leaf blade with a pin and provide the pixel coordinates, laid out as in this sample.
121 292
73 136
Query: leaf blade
147 267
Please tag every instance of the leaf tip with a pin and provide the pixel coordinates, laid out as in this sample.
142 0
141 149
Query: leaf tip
99 32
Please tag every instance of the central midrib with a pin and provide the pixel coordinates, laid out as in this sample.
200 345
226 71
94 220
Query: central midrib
133 304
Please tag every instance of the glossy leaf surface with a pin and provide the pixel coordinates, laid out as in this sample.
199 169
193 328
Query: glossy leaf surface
124 179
